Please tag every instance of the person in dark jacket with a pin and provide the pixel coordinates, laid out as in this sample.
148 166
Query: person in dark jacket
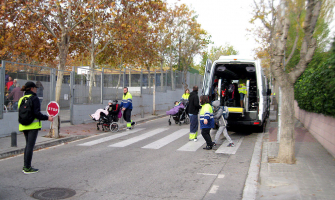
31 130
193 110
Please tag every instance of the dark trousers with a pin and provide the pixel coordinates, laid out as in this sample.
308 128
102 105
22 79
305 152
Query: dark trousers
194 123
205 134
31 136
127 115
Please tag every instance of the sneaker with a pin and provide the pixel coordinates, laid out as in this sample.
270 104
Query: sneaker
128 128
231 145
195 140
29 170
214 144
208 147
133 123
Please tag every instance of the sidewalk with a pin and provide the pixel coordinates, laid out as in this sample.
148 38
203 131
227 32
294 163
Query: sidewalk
312 177
68 133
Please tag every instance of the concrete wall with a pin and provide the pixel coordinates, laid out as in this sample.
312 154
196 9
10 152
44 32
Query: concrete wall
164 101
320 126
10 123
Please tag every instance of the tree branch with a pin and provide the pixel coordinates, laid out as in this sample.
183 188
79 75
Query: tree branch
42 20
309 43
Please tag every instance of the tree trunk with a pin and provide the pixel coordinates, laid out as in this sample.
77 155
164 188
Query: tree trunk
90 99
287 137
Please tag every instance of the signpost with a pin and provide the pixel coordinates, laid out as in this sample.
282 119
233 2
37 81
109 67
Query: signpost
53 109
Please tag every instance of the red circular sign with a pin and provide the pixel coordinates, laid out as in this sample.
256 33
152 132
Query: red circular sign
53 109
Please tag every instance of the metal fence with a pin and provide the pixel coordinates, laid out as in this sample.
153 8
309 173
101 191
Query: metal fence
84 86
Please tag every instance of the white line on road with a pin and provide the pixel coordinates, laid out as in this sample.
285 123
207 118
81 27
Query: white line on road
214 189
138 138
229 150
193 146
166 140
91 143
251 184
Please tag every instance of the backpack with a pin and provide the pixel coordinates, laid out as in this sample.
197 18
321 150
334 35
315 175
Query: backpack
225 112
26 112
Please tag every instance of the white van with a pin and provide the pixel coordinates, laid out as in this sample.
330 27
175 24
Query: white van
222 80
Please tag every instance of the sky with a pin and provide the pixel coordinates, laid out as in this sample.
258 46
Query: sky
226 21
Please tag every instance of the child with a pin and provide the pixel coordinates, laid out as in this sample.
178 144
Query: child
206 121
221 122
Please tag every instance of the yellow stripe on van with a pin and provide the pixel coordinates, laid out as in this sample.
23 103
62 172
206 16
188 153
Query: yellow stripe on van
235 110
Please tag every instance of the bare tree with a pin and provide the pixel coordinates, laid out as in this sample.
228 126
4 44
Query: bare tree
285 79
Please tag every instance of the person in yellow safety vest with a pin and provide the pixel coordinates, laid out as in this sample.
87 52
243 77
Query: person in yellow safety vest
242 89
185 96
206 121
30 131
127 107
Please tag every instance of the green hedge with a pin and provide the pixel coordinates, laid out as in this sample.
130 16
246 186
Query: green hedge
315 88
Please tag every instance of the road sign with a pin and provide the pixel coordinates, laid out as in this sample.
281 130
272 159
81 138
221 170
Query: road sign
53 109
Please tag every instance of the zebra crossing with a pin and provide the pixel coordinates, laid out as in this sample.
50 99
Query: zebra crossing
142 134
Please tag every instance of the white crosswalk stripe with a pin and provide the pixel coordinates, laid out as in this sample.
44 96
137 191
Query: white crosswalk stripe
94 142
138 138
166 140
189 146
229 150
193 146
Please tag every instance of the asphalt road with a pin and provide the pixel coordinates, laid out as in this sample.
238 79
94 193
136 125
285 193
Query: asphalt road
153 161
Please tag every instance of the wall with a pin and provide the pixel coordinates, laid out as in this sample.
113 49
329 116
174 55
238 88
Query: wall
10 123
164 101
320 126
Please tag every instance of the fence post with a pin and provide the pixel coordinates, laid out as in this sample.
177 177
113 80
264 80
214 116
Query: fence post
2 88
154 78
102 86
52 84
129 78
166 82
72 75
141 81
124 78
154 97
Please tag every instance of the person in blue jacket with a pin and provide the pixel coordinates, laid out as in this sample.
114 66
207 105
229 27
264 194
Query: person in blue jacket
206 121
127 107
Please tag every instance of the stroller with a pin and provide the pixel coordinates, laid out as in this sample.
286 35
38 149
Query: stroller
179 114
109 122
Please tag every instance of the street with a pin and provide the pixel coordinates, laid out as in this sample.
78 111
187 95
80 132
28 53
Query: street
152 161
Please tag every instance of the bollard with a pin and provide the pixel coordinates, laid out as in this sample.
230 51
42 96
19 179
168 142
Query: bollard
14 139
142 113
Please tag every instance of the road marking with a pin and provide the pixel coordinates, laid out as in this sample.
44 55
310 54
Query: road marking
229 150
166 140
251 183
138 138
221 176
193 146
207 174
214 189
94 142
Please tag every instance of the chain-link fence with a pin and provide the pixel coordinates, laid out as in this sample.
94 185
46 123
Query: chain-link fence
15 75
80 85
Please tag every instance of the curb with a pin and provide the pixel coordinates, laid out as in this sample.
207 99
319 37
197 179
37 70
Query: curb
63 140
251 183
42 145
